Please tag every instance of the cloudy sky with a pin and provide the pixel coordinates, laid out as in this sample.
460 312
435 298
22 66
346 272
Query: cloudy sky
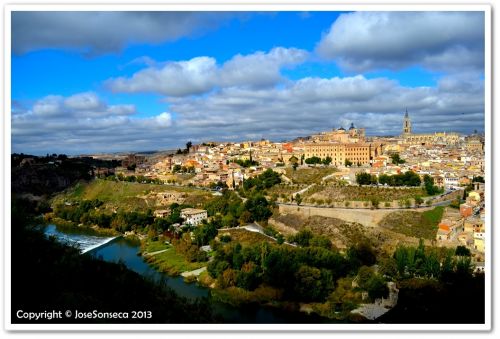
85 82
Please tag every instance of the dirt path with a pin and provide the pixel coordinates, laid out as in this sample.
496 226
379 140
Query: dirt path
194 272
154 253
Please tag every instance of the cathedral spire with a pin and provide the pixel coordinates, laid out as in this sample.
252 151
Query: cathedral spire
406 123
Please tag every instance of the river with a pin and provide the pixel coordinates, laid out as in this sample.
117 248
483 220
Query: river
119 249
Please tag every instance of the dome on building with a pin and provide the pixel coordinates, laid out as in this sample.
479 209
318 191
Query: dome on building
341 129
352 126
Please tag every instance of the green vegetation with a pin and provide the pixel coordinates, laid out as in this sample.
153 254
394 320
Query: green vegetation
182 169
336 193
306 238
176 259
318 161
242 236
70 227
396 159
128 196
307 176
263 181
305 274
363 178
49 275
414 224
408 178
430 188
132 178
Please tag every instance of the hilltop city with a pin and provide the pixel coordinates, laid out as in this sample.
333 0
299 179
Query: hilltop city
455 164
368 223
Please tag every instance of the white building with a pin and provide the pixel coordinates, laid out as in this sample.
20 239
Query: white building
193 216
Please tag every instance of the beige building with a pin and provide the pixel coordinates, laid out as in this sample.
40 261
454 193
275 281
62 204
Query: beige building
474 143
341 135
431 138
357 153
193 216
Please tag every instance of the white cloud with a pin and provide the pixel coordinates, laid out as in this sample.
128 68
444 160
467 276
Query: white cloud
104 32
363 41
48 106
194 76
259 69
83 121
163 120
202 74
83 101
298 108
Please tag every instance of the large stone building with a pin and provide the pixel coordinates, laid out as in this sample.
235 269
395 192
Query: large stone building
341 145
342 135
474 143
425 139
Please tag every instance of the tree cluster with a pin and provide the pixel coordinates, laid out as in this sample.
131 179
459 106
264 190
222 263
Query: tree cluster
430 188
318 161
419 262
303 273
408 178
396 159
263 181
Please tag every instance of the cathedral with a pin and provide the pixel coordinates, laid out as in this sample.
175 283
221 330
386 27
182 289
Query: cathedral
425 139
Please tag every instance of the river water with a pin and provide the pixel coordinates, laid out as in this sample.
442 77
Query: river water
118 249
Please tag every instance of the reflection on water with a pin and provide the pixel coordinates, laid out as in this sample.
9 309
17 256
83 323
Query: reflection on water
113 249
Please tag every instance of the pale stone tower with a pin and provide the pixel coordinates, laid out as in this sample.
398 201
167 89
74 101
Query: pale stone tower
407 124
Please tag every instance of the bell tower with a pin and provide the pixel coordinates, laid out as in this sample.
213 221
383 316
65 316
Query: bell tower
406 124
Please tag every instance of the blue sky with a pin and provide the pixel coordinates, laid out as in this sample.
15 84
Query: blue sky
118 81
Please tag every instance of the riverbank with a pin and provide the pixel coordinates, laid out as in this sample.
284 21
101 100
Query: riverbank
67 226
165 258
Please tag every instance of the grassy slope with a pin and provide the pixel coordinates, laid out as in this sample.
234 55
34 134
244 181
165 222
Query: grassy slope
309 175
245 237
414 224
169 261
126 195
342 193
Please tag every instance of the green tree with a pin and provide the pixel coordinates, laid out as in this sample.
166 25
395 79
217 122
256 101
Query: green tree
259 208
396 159
327 161
302 238
363 178
313 160
462 251
298 199
308 283
377 287
347 163
204 233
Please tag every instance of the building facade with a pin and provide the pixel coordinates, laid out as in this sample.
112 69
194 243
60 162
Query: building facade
193 216
357 153
408 137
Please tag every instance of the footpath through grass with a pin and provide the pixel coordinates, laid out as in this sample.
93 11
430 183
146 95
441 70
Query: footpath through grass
309 175
170 261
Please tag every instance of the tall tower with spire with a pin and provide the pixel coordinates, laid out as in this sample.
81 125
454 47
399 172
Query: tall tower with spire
407 124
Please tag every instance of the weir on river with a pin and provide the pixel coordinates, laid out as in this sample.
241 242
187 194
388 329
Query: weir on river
120 249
